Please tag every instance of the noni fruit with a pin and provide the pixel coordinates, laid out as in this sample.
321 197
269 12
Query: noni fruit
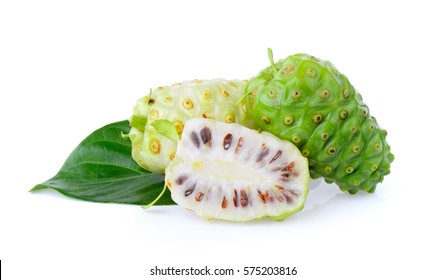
308 102
227 171
212 99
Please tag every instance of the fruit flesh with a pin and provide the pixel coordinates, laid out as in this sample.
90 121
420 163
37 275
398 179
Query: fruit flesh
240 177
307 101
214 99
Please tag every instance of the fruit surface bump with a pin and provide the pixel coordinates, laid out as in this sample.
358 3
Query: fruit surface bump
211 99
227 171
308 102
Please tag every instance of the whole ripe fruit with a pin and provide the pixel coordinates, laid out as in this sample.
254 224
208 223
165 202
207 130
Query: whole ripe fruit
211 99
308 102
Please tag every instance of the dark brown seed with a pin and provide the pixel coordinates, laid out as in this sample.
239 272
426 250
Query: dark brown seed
239 144
243 198
284 179
224 203
263 153
190 190
151 101
279 153
289 169
195 139
227 141
288 199
205 134
285 194
262 196
187 192
199 196
270 197
180 180
235 198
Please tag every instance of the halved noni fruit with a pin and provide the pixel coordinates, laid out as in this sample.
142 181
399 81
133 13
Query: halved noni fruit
230 172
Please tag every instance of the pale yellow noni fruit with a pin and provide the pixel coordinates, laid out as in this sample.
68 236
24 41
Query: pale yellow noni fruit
212 99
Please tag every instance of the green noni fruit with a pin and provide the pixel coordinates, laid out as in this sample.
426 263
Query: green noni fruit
152 147
307 101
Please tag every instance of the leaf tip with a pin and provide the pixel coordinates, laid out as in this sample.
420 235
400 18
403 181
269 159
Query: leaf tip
37 187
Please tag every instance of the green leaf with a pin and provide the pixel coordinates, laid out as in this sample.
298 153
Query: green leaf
166 128
101 169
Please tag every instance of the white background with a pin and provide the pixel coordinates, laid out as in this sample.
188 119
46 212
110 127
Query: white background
70 67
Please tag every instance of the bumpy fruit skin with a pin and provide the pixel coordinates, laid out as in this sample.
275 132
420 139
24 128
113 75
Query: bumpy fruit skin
213 99
307 101
227 171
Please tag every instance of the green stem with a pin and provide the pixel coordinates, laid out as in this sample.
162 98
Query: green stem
241 99
271 59
156 199
125 136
